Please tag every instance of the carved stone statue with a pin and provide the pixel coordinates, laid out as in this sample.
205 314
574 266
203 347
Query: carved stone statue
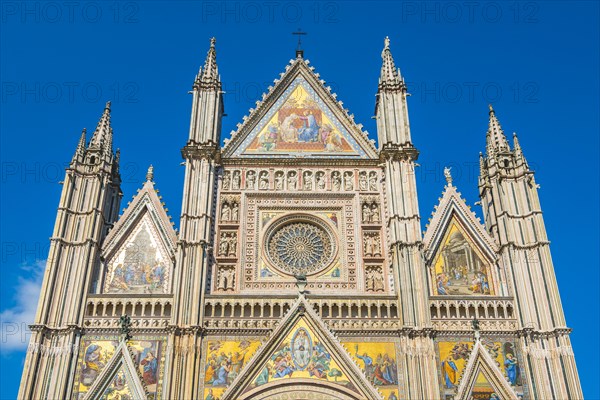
378 279
224 245
236 180
321 180
225 212
366 213
232 245
226 278
264 180
250 179
362 181
307 180
373 181
374 279
375 213
235 212
348 184
336 181
292 180
226 180
279 180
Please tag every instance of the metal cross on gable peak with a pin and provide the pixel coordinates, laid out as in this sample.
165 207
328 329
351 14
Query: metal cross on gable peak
299 51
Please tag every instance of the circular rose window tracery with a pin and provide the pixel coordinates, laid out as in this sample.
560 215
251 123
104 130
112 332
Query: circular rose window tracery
299 246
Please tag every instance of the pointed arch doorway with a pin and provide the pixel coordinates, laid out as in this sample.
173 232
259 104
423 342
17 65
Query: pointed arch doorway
300 389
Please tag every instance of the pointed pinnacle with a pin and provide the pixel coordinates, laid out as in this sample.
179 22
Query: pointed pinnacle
390 75
82 141
80 150
103 133
496 141
210 72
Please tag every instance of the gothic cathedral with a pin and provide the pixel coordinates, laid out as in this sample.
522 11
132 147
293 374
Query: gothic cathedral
299 270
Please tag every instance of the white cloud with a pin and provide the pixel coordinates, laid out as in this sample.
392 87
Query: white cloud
14 321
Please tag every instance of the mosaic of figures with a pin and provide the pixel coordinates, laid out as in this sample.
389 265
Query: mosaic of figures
455 355
458 266
142 266
95 352
224 362
301 355
377 360
300 122
300 180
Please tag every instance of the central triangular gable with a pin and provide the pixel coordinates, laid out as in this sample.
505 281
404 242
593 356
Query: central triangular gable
301 350
299 117
300 123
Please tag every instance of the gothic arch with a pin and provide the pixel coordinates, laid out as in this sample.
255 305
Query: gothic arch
300 389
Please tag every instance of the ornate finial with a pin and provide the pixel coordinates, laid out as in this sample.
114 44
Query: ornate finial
386 43
301 283
107 105
448 175
125 322
475 325
150 174
213 42
491 108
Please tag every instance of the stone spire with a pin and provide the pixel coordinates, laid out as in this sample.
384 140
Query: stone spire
496 141
80 151
209 74
102 137
390 78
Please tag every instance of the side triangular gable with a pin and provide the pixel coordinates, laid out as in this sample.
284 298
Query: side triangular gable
139 251
118 379
299 117
461 256
483 377
301 351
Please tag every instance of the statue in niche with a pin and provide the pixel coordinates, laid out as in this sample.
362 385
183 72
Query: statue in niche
279 180
362 181
224 245
321 180
372 244
232 245
375 213
292 180
307 180
373 181
235 212
226 278
250 179
336 181
374 279
226 180
367 215
348 184
225 212
263 180
236 180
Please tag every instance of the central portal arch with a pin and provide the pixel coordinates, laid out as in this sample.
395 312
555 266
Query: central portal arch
301 389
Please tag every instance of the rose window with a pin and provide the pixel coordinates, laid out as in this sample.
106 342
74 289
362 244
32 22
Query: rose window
299 247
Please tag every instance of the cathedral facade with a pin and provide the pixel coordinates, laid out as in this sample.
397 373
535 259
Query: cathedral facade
300 269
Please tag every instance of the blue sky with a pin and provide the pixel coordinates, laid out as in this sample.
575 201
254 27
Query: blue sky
537 62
